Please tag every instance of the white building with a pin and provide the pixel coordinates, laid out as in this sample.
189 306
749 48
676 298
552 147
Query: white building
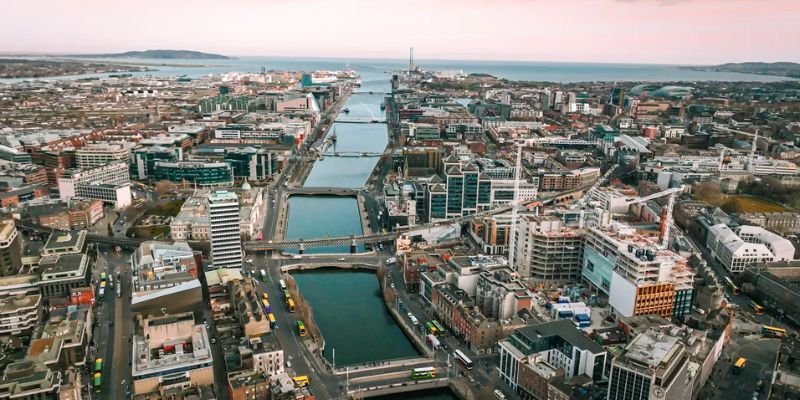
98 154
226 241
735 252
108 183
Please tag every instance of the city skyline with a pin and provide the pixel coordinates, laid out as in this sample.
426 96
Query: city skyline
613 31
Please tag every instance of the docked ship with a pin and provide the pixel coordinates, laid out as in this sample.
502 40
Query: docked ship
346 110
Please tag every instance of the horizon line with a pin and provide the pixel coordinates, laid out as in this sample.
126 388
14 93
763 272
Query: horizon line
351 58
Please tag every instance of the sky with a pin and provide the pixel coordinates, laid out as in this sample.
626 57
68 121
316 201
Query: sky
625 31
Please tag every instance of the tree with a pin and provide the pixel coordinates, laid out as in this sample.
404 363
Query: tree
708 192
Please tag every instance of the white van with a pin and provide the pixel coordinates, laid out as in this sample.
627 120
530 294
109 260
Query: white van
414 320
297 257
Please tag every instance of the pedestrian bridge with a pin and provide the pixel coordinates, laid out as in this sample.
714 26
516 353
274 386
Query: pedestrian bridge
353 154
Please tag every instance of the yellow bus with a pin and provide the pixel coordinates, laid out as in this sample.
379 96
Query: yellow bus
290 303
739 366
273 323
756 307
301 328
301 380
773 331
265 296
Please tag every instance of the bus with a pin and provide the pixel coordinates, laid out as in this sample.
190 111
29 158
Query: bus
287 295
773 331
267 307
430 328
732 286
265 296
98 381
460 356
290 303
439 327
103 276
739 366
273 323
283 284
263 276
301 328
301 380
98 364
423 373
757 307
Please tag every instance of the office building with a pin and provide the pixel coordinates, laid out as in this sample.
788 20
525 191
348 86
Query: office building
143 165
95 155
158 265
500 294
652 366
640 278
548 347
560 181
203 174
29 380
226 241
10 250
72 215
170 350
546 250
748 244
20 314
109 183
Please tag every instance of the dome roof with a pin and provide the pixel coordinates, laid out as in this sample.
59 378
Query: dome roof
246 185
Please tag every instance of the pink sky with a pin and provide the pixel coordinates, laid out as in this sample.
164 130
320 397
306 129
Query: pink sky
647 31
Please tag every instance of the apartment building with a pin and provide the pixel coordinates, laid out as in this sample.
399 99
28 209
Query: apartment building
560 181
546 250
72 215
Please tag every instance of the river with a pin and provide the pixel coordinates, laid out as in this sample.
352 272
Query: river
348 308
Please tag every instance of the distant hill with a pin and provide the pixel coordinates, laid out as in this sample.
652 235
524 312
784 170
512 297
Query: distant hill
788 69
160 54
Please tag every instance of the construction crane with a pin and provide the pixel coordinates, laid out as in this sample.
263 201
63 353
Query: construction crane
582 201
515 205
666 212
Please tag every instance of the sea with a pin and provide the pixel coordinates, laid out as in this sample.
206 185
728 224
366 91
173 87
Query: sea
558 72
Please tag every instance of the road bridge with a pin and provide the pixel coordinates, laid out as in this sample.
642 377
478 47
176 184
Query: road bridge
353 154
328 191
357 120
300 244
343 265
382 389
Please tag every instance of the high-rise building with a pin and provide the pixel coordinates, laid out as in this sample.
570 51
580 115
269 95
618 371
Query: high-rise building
638 276
547 250
226 240
10 250
652 366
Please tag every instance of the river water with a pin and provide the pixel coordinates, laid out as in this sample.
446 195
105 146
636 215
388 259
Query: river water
348 308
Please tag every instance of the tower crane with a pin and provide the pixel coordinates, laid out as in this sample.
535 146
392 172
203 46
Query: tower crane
666 212
581 203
